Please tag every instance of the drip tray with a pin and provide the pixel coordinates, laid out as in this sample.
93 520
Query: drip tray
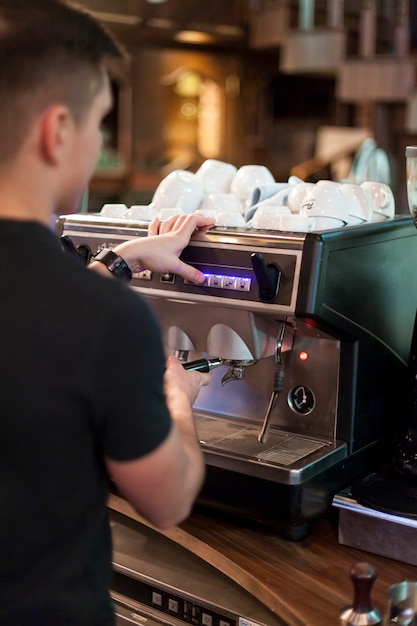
281 448
290 457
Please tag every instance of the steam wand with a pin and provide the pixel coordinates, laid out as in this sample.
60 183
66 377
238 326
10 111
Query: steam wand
277 385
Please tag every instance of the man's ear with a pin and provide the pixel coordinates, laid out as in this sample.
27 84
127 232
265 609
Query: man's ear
56 124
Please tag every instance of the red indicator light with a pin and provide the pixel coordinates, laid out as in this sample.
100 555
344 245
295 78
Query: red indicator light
303 356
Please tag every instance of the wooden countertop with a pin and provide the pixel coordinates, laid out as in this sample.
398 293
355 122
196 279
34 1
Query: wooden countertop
305 583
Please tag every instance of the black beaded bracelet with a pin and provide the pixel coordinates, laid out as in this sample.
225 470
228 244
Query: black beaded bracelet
115 264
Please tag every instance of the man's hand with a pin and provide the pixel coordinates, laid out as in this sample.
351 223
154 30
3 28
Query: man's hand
178 381
160 251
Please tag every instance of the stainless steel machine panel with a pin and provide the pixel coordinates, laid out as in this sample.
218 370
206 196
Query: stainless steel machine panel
312 333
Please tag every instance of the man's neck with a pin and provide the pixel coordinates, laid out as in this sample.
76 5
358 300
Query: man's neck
24 197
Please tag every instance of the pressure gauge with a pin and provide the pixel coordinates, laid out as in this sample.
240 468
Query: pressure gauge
301 399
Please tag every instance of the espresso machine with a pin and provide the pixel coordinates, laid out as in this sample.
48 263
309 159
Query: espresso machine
307 337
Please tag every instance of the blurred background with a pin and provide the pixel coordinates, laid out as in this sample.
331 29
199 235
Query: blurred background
315 88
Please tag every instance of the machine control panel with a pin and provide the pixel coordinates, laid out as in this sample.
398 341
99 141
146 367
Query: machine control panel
160 582
172 605
232 269
233 283
232 275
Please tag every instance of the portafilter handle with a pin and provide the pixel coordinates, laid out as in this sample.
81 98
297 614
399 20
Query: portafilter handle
202 365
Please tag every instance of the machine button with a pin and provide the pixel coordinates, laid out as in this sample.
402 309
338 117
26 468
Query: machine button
167 278
143 275
215 280
206 620
223 623
229 282
156 598
172 605
243 284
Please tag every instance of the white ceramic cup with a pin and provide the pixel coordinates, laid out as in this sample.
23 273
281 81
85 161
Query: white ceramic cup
267 216
359 203
145 212
216 176
222 203
179 189
382 199
207 212
165 214
113 210
298 194
327 205
230 218
296 223
247 178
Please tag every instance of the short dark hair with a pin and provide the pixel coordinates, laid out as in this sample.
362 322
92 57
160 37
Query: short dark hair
50 51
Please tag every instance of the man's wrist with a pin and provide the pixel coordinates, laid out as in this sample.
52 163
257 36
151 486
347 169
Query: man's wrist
115 264
128 250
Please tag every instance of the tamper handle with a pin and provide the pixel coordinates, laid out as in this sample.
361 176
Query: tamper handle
363 576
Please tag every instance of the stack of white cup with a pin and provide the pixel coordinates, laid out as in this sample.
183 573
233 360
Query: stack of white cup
249 197
228 190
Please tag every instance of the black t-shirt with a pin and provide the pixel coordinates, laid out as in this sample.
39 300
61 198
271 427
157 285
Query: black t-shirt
81 369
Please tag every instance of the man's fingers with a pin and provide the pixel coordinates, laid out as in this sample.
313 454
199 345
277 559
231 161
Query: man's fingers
189 273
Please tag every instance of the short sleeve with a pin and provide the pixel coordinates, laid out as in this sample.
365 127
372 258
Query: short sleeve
127 381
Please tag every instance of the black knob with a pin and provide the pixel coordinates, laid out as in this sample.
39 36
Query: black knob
85 253
268 276
82 252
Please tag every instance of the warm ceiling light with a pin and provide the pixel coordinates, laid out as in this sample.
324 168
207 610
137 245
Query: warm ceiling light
156 1
193 36
188 85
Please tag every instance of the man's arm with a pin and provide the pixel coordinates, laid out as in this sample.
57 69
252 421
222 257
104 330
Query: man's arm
161 253
163 485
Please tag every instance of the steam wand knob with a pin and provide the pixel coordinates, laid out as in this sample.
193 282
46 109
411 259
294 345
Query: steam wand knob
268 276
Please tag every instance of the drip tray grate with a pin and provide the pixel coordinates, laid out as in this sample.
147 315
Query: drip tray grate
281 448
